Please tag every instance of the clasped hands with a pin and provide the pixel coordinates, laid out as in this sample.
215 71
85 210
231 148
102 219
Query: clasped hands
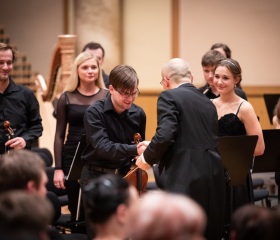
140 162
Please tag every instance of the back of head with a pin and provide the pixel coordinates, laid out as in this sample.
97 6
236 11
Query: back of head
224 47
123 77
165 216
24 216
252 222
177 69
211 58
19 167
103 195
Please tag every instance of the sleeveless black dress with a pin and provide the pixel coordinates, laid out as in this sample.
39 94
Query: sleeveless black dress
231 125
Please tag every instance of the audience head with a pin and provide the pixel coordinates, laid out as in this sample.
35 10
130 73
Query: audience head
222 48
23 169
251 222
110 199
80 66
175 72
164 216
96 49
6 47
233 67
24 216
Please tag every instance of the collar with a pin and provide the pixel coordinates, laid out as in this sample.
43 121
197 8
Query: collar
12 87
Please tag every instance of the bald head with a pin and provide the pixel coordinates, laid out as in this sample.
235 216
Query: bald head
168 216
177 70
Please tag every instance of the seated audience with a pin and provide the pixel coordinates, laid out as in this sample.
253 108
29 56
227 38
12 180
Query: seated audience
251 222
165 216
23 169
24 216
109 202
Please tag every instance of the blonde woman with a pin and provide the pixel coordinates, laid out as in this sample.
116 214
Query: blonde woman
84 88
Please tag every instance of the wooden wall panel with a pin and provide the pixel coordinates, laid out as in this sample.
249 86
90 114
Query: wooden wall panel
148 101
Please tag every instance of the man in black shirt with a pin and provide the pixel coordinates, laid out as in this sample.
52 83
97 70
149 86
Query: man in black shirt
18 106
110 126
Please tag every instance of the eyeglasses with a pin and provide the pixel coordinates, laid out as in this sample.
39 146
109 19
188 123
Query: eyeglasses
127 95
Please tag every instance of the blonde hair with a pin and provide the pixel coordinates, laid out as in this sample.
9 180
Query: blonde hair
74 79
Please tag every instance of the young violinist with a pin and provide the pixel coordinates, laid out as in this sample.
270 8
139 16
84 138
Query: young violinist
110 125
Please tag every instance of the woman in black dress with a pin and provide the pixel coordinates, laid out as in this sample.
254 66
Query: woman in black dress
84 88
236 117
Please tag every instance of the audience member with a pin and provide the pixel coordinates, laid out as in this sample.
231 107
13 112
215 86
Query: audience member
110 201
24 216
84 88
185 144
209 62
23 169
164 216
276 117
19 107
97 50
110 126
222 48
236 117
251 222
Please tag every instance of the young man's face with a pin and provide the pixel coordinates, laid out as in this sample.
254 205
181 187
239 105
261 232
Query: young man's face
6 64
208 72
122 100
98 54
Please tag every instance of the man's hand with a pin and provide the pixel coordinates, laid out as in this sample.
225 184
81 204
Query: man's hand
140 163
16 143
142 146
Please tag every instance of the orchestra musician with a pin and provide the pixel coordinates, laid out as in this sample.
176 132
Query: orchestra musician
19 107
110 125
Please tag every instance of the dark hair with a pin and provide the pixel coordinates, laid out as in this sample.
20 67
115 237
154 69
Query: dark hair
24 215
4 47
19 167
233 66
103 195
224 47
123 77
211 58
93 46
251 222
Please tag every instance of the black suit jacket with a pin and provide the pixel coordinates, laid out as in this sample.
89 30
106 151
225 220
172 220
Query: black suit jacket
185 148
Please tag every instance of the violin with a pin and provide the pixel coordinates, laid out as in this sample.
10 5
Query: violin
136 176
10 131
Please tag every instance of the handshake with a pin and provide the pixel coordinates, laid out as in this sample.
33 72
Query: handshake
140 161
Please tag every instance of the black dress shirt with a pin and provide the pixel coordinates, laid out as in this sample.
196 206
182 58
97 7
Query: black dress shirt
110 135
19 106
